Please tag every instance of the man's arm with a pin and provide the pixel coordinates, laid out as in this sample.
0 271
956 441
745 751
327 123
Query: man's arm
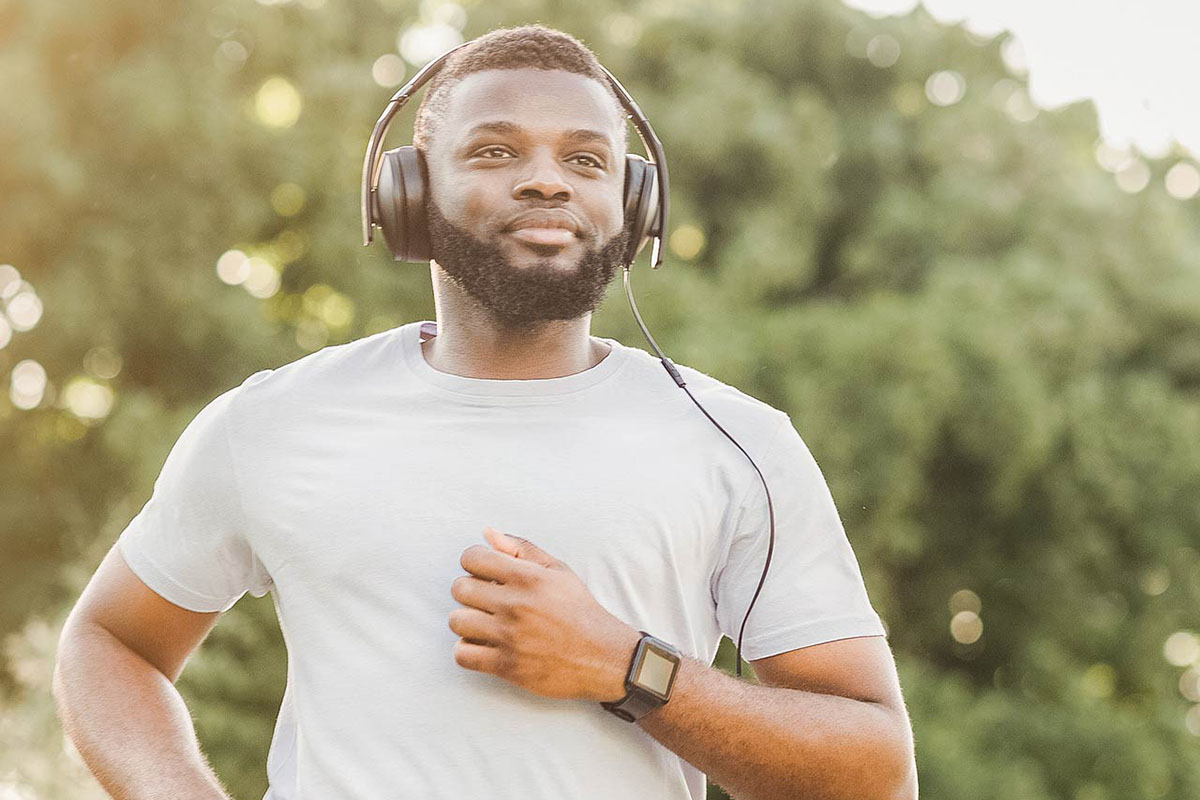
120 652
833 727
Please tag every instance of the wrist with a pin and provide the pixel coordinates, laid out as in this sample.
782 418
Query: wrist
611 684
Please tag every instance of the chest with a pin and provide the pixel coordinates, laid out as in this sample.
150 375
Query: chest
392 500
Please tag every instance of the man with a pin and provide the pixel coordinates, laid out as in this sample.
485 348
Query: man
464 528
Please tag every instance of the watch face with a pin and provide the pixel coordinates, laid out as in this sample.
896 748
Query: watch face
656 670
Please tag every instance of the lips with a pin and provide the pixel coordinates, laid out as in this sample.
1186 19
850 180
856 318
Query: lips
544 219
544 227
558 237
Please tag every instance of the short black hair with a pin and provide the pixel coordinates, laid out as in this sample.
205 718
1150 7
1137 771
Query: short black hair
529 46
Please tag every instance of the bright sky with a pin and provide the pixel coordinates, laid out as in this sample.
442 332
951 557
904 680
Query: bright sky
1137 59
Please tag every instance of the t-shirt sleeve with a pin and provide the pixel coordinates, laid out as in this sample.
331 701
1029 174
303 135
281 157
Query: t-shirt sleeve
814 591
188 543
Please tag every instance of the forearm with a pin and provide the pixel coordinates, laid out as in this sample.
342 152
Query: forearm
764 743
128 721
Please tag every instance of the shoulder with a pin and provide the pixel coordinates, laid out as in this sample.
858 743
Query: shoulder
327 373
329 368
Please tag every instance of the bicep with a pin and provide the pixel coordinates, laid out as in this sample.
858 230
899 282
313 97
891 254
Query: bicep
860 668
161 632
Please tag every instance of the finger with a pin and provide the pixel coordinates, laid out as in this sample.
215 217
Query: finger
478 593
478 657
491 565
519 548
476 626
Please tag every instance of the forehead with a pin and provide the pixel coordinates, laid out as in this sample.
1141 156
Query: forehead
544 102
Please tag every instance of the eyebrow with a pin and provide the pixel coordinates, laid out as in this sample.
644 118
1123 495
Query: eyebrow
512 128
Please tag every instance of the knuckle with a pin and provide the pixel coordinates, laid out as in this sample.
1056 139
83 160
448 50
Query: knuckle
508 664
514 608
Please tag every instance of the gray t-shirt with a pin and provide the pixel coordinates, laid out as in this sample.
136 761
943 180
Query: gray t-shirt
348 483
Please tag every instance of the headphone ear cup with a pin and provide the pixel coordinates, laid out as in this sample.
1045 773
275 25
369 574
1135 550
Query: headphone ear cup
641 203
400 204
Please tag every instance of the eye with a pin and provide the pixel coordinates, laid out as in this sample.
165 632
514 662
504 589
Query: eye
492 149
593 162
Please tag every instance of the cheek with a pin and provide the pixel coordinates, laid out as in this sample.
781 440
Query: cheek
614 218
606 209
472 205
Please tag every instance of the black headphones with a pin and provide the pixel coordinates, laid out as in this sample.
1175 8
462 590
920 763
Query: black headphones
394 193
395 187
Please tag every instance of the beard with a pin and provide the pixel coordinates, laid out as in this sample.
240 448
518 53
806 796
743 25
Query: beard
520 298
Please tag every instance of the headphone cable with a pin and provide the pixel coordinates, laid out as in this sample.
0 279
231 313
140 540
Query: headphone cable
674 373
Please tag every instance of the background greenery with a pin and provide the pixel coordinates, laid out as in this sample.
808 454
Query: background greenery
990 344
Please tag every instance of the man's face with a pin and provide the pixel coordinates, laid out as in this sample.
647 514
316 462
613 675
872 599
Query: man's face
526 174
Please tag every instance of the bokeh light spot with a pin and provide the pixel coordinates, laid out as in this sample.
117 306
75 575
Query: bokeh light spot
263 280
945 88
624 30
965 600
87 398
1155 580
966 627
233 267
233 51
311 334
687 241
388 70
883 51
420 44
1013 54
1183 181
8 274
102 362
1181 648
444 12
1189 684
1019 107
287 199
1134 177
1112 157
27 384
13 288
24 310
1192 720
277 103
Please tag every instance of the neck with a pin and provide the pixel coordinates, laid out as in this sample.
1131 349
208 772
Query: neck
472 344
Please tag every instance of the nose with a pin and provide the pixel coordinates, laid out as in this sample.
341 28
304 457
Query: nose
543 179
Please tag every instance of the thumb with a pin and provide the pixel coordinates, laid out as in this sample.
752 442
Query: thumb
520 548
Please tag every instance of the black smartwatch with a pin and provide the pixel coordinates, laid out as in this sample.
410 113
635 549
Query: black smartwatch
648 683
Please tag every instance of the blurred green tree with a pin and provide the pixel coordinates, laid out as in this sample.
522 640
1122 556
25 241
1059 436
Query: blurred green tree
991 346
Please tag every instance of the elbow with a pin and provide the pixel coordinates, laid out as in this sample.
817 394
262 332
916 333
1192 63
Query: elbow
903 782
891 766
907 788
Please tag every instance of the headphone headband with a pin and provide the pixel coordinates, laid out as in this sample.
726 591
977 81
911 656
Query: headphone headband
372 162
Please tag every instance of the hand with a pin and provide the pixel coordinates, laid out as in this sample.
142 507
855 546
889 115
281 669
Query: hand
531 620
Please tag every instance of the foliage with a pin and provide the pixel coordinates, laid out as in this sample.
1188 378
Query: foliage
992 349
